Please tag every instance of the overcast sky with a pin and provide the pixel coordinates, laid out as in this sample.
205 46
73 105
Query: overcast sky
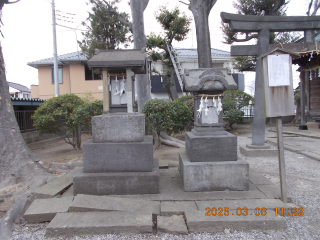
27 30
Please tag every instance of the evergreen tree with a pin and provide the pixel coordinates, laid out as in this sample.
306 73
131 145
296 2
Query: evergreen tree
105 31
176 27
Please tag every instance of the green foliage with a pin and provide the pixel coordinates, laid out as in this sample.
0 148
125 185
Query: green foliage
105 31
68 113
166 116
233 101
233 116
176 26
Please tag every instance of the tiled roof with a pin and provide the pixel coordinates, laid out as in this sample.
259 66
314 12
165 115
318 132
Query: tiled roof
192 53
69 57
18 86
28 99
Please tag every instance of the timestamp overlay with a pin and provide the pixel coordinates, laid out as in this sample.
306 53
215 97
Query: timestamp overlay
224 211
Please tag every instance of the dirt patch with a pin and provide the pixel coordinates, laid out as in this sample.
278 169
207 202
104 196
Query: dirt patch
167 153
60 151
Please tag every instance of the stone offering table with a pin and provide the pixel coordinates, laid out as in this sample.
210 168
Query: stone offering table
210 162
119 159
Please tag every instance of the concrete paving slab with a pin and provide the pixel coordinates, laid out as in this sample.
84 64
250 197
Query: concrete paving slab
163 164
230 195
173 163
272 191
177 207
315 156
96 223
53 188
89 203
68 192
252 186
197 221
257 178
172 225
269 204
258 152
44 210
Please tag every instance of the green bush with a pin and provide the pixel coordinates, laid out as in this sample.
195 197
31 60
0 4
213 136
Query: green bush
68 113
189 102
166 116
233 101
233 116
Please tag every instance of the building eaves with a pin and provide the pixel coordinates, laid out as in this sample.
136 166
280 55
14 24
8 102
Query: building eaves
192 53
69 57
19 87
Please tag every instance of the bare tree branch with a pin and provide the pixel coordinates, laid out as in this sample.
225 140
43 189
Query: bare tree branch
184 3
112 10
277 5
316 7
309 8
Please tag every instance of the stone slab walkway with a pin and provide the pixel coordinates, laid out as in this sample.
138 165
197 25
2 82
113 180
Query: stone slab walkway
171 211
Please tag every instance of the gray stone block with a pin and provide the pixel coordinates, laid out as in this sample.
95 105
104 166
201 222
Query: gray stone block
117 183
53 188
44 210
211 148
197 221
118 157
98 223
118 127
104 203
177 207
271 152
213 176
172 225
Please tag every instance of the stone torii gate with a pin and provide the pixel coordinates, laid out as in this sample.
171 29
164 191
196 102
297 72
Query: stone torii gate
263 25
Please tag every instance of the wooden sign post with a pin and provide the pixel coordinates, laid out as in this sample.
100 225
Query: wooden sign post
279 98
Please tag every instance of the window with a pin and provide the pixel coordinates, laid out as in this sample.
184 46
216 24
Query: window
59 74
93 74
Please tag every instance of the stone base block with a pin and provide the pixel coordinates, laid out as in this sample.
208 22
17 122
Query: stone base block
211 148
118 157
263 151
213 176
120 183
118 127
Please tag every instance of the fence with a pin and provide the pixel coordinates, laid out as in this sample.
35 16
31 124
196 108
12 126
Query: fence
248 111
24 120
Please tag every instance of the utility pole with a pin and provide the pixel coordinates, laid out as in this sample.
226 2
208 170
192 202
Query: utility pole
55 56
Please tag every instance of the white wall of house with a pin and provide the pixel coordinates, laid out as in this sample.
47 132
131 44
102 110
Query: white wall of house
18 94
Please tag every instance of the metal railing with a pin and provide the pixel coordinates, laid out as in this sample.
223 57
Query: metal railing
24 120
248 110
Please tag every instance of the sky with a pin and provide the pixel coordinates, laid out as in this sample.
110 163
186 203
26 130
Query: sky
27 31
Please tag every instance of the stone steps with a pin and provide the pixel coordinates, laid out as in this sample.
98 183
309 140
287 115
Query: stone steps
96 223
197 221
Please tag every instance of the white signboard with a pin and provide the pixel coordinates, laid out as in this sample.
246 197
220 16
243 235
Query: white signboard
278 70
100 87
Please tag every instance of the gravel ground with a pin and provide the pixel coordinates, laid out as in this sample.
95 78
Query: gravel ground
303 180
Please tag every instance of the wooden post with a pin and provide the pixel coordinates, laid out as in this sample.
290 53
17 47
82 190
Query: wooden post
303 79
129 90
105 91
283 183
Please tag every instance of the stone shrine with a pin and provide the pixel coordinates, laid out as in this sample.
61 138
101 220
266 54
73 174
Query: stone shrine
210 162
119 158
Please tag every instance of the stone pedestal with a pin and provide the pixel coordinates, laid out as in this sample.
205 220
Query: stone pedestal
258 151
213 176
119 159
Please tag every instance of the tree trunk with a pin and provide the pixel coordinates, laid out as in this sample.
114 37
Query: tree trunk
143 86
172 85
200 10
16 159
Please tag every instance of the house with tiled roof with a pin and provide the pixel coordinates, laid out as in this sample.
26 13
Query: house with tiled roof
17 90
75 76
